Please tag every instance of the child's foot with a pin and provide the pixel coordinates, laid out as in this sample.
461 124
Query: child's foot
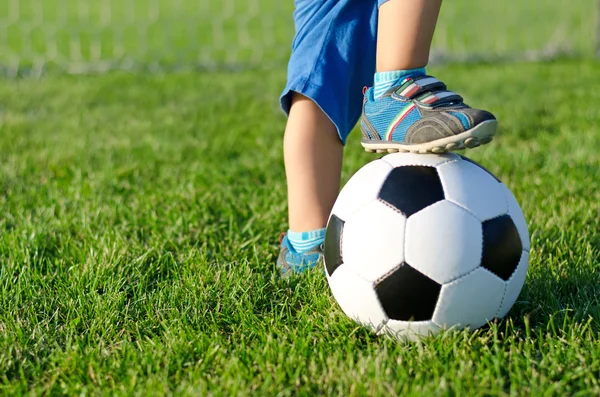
290 261
420 115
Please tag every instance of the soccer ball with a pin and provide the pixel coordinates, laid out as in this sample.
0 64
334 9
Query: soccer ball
420 243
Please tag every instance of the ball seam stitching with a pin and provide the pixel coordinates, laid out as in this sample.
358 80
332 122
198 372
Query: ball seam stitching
387 274
463 276
501 300
391 206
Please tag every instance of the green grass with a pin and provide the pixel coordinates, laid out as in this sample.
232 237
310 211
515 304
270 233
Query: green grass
81 36
139 218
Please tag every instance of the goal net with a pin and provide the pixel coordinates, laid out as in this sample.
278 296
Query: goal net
83 36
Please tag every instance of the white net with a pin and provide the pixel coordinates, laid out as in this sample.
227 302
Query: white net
81 36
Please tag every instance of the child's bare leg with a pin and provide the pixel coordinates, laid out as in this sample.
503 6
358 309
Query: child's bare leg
404 33
332 59
313 162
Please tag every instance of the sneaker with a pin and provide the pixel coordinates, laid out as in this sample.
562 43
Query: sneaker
420 115
290 262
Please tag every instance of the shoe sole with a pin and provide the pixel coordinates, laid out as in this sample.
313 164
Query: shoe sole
477 136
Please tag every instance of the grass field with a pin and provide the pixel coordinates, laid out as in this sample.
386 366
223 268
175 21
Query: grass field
45 35
138 233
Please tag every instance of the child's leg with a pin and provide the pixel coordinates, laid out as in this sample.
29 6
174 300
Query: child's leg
406 110
404 33
333 58
313 163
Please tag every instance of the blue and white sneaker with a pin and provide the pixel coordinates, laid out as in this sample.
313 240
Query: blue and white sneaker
420 115
291 262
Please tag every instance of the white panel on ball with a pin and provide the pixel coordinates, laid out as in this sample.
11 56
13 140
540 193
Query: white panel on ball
357 298
470 301
410 330
472 188
514 285
373 240
431 160
516 213
363 187
443 241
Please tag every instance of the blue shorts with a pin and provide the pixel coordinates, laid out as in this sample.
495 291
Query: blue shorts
333 57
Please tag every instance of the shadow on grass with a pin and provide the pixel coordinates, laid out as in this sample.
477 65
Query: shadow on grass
549 296
553 302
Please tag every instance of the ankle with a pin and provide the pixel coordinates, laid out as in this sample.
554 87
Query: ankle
383 81
305 241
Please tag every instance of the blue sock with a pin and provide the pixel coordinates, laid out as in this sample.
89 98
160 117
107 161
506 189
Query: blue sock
304 241
386 80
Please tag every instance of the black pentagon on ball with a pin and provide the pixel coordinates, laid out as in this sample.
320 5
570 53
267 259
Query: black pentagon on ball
409 189
407 294
333 244
480 166
502 246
